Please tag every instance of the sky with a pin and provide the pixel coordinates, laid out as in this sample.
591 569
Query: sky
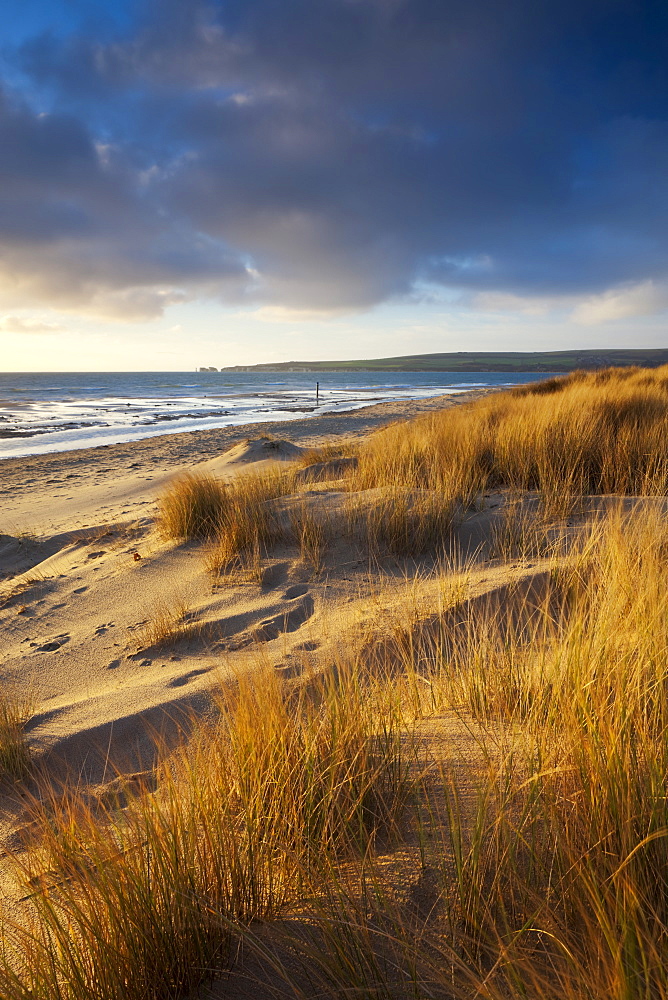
240 181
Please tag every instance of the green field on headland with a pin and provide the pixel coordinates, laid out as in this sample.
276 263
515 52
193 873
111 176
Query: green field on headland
475 361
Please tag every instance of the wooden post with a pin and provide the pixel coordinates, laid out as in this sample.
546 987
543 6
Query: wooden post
317 392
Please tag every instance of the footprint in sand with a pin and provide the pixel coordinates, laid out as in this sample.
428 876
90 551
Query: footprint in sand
53 645
113 665
102 629
298 590
79 590
274 576
178 682
285 621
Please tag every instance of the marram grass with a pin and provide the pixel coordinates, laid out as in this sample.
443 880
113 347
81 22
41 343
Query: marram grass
15 712
550 883
148 902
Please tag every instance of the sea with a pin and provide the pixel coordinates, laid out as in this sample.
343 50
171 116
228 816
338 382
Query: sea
43 412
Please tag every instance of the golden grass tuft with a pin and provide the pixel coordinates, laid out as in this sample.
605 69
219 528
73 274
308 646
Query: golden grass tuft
401 522
168 623
249 523
149 901
311 535
15 711
327 452
192 507
604 432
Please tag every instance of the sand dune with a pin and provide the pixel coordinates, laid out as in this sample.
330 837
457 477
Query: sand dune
114 631
79 627
395 603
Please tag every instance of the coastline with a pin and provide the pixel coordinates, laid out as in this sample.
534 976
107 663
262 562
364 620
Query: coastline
42 414
72 489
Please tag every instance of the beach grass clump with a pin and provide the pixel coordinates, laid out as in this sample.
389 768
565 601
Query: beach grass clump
333 752
432 453
311 535
168 622
192 507
250 522
15 711
526 528
148 902
585 644
237 517
328 452
586 433
401 522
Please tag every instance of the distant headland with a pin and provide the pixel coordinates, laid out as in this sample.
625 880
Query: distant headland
476 361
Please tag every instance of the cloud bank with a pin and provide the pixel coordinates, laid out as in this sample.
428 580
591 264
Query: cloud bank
329 155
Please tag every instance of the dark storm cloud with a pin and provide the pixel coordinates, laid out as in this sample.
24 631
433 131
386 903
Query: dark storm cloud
80 228
332 153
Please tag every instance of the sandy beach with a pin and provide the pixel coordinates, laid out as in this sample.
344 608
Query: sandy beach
77 607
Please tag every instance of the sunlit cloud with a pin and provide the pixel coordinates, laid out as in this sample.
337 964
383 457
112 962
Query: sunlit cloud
647 298
19 324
